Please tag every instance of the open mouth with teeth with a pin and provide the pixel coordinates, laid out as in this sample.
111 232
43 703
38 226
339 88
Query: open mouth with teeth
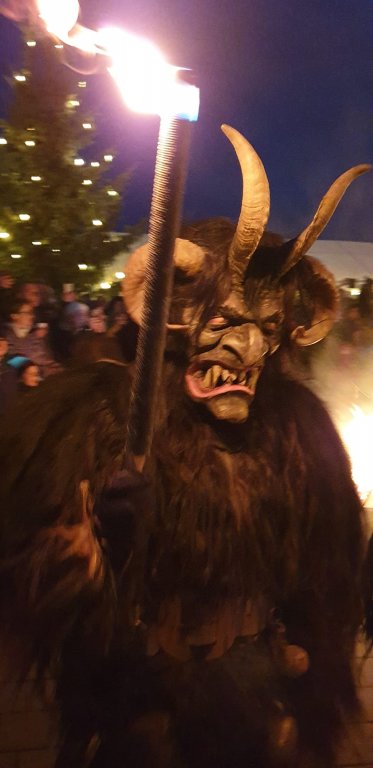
210 379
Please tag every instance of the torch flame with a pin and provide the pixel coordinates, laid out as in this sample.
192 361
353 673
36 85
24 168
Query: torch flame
59 17
357 435
139 69
146 81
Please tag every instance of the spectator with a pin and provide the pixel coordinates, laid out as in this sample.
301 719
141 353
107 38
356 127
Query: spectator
348 329
6 285
74 318
8 378
29 376
25 340
366 301
40 297
68 294
97 318
116 315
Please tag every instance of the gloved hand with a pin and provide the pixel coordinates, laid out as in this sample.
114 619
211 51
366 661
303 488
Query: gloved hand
124 512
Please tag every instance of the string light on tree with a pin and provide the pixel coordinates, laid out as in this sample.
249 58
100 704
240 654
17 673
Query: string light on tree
53 177
82 267
108 158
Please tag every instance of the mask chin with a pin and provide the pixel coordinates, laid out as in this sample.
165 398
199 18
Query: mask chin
234 407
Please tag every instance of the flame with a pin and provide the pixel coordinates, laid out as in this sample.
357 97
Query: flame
146 81
59 17
357 435
142 74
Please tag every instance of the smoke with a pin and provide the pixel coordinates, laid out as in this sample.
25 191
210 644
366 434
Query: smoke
341 374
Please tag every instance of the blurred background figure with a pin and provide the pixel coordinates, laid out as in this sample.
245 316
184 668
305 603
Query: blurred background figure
42 299
24 338
6 285
20 323
29 377
73 318
116 315
97 319
366 301
8 378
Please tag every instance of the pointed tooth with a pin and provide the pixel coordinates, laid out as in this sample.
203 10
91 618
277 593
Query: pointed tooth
207 379
242 377
224 374
215 373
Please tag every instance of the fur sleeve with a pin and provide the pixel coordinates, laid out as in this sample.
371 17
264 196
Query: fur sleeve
58 454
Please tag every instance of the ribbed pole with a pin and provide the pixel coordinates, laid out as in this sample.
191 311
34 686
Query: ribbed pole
165 213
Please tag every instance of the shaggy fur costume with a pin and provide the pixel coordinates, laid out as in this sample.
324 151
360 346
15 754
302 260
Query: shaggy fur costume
261 511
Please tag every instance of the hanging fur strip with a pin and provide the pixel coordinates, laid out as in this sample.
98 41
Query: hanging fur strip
237 512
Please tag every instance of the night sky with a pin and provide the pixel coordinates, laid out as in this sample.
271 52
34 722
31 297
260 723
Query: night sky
294 76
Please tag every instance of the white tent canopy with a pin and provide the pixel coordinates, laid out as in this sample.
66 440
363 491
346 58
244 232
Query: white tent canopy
345 259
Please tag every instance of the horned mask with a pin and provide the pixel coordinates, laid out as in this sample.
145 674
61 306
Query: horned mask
257 279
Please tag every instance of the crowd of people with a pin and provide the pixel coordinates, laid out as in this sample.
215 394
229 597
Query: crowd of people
41 334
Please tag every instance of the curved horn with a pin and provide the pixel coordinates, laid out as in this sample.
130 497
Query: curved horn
188 257
295 249
255 205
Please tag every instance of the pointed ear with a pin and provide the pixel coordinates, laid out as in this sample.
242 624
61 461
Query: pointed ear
188 257
320 292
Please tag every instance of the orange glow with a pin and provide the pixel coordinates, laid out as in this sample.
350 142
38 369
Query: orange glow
356 432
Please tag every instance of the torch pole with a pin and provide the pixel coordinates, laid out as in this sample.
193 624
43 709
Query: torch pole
165 214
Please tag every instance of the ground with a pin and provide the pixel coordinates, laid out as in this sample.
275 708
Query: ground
28 733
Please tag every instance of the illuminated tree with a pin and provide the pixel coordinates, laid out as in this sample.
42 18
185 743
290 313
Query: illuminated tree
58 198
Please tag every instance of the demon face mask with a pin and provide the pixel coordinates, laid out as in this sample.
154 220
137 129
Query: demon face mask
241 293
